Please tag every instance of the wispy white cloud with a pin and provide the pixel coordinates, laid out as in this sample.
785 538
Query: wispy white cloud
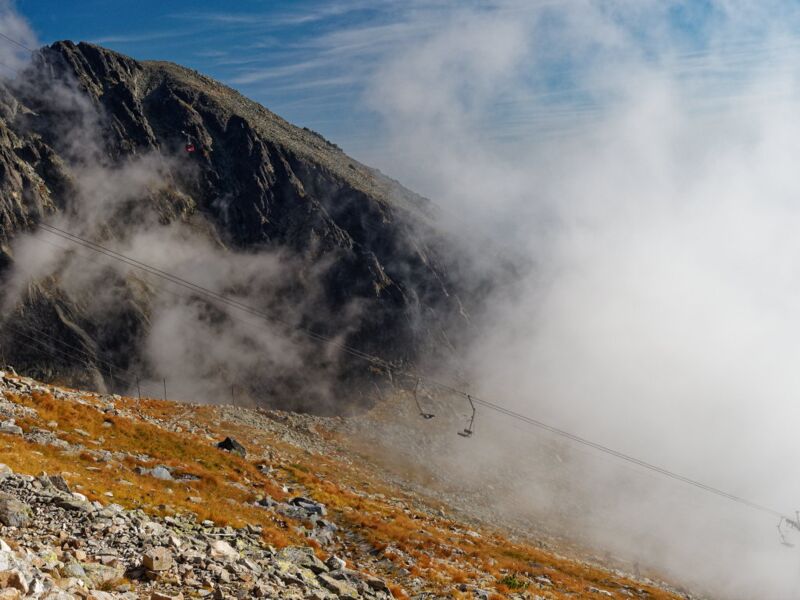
644 162
291 70
14 55
145 36
303 15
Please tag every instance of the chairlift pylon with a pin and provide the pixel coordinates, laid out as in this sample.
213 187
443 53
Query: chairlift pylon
422 413
468 430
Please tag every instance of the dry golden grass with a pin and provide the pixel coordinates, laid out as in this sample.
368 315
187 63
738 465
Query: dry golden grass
220 501
440 553
434 546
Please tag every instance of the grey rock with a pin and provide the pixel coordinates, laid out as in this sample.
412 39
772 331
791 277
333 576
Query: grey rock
375 583
13 513
334 563
231 445
157 559
341 588
161 472
310 506
74 504
10 427
303 557
73 569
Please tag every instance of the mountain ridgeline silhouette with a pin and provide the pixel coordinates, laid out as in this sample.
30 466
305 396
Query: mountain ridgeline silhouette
164 164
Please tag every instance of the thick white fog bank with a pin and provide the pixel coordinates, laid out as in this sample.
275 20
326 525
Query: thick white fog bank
652 181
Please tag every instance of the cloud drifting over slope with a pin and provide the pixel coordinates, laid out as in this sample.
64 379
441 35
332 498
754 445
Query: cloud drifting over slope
650 178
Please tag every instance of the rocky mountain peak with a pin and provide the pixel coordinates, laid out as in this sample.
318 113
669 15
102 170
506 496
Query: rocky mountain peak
122 150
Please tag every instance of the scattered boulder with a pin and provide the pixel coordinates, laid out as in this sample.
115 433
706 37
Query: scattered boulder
231 445
334 563
13 579
75 504
13 513
10 427
161 472
310 506
222 549
157 559
266 502
101 575
379 585
341 588
60 483
304 558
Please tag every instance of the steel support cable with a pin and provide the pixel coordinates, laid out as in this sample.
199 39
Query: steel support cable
377 360
39 342
159 286
16 43
207 292
596 446
71 352
75 351
626 457
78 349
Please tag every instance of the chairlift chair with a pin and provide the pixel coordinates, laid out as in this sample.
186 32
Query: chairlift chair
422 413
468 430
781 535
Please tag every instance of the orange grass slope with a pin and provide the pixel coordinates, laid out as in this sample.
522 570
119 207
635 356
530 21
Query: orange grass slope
383 530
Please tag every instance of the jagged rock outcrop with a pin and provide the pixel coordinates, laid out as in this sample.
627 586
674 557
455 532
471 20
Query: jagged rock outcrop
252 183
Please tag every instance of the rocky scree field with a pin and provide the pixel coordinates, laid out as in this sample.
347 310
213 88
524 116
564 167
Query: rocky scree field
103 496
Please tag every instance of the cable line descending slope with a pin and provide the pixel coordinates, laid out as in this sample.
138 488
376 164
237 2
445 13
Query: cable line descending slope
375 360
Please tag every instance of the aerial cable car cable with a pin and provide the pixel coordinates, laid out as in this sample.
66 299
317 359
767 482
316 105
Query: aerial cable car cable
190 147
41 344
206 292
474 401
9 67
77 352
376 360
16 43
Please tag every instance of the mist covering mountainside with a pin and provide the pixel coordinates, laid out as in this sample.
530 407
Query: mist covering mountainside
185 174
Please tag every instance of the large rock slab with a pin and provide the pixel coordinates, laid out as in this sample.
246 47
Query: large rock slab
13 512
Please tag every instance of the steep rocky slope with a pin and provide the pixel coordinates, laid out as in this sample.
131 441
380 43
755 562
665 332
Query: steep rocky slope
104 496
111 148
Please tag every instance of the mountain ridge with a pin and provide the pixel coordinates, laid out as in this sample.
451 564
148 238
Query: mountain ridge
84 125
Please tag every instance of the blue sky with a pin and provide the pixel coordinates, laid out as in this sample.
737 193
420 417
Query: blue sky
306 60
362 72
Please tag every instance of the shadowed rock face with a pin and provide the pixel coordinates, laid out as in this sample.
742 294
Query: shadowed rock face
253 183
